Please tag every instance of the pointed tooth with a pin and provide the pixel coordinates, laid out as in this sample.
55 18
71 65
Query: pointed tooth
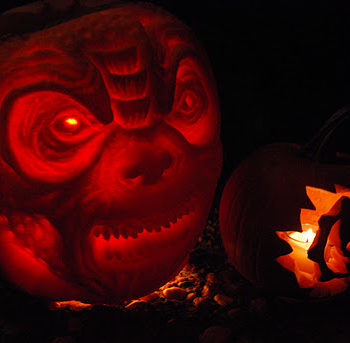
174 220
97 230
149 228
106 232
116 233
124 231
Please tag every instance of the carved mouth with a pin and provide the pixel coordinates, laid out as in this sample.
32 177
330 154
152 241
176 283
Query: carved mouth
111 258
36 233
134 227
131 240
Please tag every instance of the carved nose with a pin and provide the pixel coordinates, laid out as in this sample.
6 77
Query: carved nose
150 167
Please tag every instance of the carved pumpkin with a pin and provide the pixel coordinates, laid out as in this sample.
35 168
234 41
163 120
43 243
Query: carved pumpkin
110 154
285 217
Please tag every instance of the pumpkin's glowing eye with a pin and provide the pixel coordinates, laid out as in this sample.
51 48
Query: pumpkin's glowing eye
71 123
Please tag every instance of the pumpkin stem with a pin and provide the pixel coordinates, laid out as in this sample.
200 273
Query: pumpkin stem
316 149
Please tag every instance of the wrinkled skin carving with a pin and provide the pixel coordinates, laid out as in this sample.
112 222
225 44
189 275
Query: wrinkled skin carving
110 154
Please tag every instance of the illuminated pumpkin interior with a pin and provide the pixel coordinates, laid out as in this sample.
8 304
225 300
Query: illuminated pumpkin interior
317 258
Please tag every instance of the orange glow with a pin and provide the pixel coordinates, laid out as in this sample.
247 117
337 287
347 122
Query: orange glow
308 272
303 237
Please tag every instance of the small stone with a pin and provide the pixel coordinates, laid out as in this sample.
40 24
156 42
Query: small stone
207 291
185 284
211 278
190 296
215 334
200 301
150 297
137 305
175 293
223 300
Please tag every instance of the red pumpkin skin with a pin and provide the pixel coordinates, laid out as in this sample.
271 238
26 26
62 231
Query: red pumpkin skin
263 195
110 154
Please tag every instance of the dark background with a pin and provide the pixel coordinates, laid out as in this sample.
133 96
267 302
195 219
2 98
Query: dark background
282 67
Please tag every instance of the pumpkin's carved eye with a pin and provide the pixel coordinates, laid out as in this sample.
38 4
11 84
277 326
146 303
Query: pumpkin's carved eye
190 104
70 124
51 136
194 109
68 129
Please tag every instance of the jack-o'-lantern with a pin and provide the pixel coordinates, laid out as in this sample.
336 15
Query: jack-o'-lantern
110 154
285 217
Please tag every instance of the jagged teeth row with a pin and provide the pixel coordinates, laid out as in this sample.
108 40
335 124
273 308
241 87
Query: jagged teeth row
124 230
134 228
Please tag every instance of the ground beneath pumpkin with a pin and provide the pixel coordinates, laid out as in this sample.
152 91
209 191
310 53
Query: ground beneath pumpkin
208 302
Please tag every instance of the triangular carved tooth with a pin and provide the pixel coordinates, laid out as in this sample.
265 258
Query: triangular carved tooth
124 231
166 225
97 230
106 232
173 220
116 233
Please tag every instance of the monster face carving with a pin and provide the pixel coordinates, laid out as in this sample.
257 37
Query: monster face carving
110 154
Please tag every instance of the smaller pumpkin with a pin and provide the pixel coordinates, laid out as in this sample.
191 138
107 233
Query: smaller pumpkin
285 217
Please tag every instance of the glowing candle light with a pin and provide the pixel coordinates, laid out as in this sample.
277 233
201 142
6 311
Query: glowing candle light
301 242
